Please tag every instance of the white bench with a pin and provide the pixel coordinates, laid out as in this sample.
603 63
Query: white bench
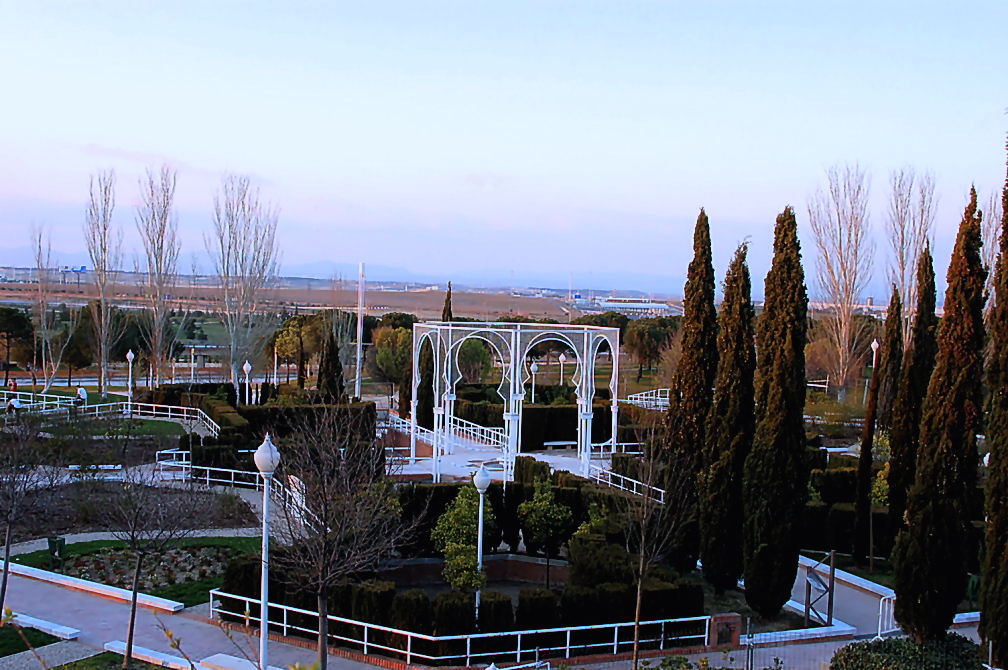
226 662
104 590
54 629
562 444
149 655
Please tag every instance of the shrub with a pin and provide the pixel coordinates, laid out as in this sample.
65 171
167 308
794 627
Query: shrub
835 485
619 600
953 652
841 527
579 605
537 608
454 613
528 470
496 613
372 601
594 561
412 611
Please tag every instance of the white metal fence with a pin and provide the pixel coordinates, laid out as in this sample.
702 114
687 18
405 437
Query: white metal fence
516 646
624 483
474 432
886 616
138 409
653 399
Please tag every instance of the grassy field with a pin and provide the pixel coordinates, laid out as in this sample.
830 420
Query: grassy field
11 642
138 428
105 661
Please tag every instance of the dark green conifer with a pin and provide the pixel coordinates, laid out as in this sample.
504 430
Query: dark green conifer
994 579
930 570
890 361
446 311
694 383
918 362
891 348
729 432
775 475
425 388
331 387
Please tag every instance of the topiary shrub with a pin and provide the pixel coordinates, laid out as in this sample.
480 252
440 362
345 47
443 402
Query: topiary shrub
953 652
454 613
372 602
412 610
835 485
593 561
528 470
619 600
496 612
579 605
537 608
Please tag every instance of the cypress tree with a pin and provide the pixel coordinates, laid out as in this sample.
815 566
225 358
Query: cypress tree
331 387
775 475
446 311
694 382
930 568
425 389
890 361
891 348
729 432
994 582
904 426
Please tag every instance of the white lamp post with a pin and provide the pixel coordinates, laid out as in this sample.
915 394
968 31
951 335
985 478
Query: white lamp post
192 364
266 458
874 362
534 368
129 390
247 368
562 359
275 379
481 480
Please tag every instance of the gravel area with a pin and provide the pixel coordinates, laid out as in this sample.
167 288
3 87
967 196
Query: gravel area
54 655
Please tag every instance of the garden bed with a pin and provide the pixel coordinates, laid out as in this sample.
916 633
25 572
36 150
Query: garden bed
12 643
734 601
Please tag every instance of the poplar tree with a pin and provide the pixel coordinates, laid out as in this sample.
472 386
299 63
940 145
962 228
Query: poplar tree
330 383
694 382
930 566
918 362
994 581
446 311
729 432
891 348
890 360
775 475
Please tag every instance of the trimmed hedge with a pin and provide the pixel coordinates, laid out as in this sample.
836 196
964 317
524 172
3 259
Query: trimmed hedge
537 608
412 610
954 652
454 613
579 605
619 600
496 612
593 561
282 420
835 485
528 470
372 602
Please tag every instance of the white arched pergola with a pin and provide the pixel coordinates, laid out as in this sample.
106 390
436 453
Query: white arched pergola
512 342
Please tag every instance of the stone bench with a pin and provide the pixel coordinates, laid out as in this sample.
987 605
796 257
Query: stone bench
104 590
227 662
54 629
149 655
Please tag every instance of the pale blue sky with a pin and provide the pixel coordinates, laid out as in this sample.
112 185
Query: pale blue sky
499 140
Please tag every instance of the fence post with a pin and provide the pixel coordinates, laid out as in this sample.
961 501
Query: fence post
661 645
468 648
518 654
285 621
409 648
615 639
568 643
365 639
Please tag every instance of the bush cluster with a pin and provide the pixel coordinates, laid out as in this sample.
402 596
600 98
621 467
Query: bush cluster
954 652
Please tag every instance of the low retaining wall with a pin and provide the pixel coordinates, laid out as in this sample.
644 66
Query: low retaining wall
98 589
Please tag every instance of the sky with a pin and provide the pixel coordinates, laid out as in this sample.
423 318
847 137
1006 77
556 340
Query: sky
516 142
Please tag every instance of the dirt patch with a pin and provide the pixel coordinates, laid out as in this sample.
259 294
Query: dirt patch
734 601
77 508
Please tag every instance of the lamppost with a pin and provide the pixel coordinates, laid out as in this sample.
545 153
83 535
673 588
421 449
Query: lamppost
871 514
247 368
266 458
129 390
534 368
562 359
874 360
481 480
192 364
275 379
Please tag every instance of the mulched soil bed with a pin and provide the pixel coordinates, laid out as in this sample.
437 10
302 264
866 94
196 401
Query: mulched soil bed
77 508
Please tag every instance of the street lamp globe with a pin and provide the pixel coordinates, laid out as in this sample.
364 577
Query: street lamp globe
130 356
534 368
481 480
247 368
562 359
874 346
266 457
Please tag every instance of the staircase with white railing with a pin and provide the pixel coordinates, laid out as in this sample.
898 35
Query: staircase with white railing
653 399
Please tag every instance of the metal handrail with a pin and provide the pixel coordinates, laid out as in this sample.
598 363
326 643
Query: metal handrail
474 432
653 399
624 483
280 616
886 616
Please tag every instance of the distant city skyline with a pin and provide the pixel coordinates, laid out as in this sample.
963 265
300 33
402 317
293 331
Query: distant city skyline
512 143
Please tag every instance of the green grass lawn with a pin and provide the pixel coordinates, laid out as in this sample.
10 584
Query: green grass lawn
40 559
94 398
138 428
104 661
11 642
191 593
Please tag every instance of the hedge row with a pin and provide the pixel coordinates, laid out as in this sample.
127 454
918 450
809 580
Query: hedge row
953 652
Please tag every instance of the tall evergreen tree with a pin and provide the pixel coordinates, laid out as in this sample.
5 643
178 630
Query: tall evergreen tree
930 568
331 387
446 311
890 361
918 362
994 581
729 432
425 388
891 348
775 475
694 382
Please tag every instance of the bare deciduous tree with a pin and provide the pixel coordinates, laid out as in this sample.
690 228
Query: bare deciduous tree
25 476
52 333
244 251
991 243
908 228
341 514
158 228
150 520
104 245
839 219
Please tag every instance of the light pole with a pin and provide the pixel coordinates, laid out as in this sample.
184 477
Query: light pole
275 379
266 458
247 368
534 368
192 364
129 389
871 514
481 480
874 360
562 359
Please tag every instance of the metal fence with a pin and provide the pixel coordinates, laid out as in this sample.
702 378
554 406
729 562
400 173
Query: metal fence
624 483
653 399
512 646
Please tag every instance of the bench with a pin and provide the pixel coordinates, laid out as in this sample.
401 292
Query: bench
561 444
54 629
227 662
149 655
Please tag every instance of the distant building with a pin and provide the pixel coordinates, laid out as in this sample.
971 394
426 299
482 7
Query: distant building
636 307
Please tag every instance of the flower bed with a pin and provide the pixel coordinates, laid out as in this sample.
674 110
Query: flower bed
175 566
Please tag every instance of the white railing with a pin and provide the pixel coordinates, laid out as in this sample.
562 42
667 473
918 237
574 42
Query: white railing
624 483
397 423
142 409
472 648
173 457
474 432
887 616
822 384
653 399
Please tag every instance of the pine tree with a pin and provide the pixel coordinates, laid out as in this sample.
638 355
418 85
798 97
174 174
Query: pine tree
331 387
694 382
930 568
729 432
446 311
994 581
918 362
775 475
890 361
892 348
